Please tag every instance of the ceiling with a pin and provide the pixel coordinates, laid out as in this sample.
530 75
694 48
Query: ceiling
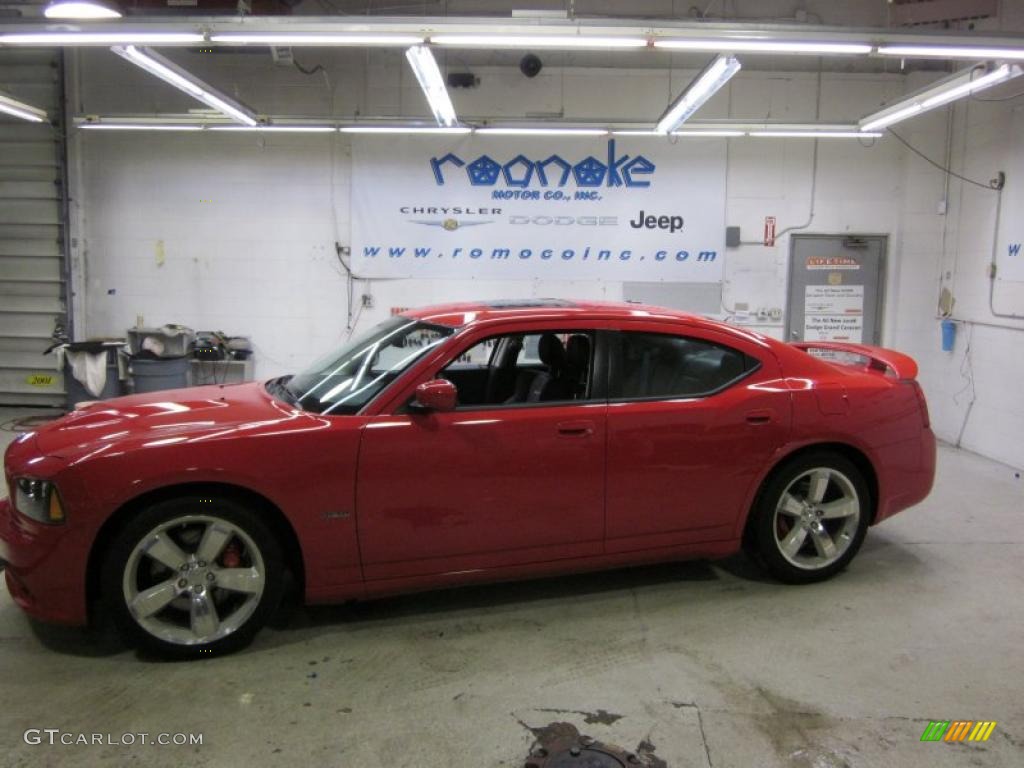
863 20
960 16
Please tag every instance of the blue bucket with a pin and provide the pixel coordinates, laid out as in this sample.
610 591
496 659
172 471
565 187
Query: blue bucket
948 335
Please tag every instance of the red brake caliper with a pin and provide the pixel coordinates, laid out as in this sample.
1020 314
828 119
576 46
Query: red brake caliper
232 557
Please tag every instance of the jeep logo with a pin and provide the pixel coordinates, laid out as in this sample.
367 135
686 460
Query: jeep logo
650 221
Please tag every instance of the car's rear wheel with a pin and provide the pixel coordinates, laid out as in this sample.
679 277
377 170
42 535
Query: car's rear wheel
811 518
191 577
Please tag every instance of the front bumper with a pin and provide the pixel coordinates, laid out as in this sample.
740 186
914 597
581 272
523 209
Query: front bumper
44 568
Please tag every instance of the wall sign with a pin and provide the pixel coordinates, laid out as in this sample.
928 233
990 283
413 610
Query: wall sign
834 313
41 379
525 208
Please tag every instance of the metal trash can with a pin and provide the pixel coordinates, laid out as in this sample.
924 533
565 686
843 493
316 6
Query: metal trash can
156 374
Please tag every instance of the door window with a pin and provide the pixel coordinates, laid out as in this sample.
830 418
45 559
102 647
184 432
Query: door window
661 366
524 369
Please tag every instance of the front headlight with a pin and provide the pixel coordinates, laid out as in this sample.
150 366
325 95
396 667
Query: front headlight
38 500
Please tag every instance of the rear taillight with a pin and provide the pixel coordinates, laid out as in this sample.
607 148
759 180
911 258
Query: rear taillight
922 403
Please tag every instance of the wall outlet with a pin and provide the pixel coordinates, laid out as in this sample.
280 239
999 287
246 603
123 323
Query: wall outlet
367 301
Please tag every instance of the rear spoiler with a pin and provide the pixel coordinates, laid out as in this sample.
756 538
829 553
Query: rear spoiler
880 359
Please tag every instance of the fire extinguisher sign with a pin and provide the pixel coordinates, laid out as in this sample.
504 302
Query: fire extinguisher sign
769 230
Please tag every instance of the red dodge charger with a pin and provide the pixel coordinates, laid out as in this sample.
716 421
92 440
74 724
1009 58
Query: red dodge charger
467 442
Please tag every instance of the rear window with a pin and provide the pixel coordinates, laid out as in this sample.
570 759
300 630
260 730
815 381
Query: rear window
651 365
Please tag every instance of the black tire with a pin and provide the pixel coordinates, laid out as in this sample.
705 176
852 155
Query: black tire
768 523
252 549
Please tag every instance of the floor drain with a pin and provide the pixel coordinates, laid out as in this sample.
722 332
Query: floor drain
561 745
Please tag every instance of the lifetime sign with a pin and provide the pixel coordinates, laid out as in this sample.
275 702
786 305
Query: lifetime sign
616 170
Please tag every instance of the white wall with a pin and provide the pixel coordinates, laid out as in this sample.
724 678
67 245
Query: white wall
271 198
247 225
954 251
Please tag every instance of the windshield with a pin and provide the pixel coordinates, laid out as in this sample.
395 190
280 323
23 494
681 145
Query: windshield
348 378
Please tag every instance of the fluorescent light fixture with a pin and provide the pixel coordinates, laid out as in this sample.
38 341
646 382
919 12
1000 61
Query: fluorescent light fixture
724 134
82 9
458 129
100 38
514 131
718 134
818 134
297 39
11 106
276 128
950 52
950 89
708 81
154 126
891 118
731 45
429 76
139 127
526 42
171 73
998 75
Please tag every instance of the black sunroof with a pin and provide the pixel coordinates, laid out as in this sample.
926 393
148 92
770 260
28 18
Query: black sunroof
526 303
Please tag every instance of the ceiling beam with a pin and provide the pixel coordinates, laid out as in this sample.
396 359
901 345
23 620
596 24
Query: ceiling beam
708 128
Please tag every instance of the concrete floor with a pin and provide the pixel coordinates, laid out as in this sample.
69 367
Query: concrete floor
710 665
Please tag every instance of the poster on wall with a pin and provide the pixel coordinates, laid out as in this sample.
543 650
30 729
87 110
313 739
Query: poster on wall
1010 247
524 208
834 313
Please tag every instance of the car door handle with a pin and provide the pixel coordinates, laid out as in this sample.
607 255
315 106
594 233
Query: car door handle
576 428
764 416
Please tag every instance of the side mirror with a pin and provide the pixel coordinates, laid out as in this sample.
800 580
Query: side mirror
436 395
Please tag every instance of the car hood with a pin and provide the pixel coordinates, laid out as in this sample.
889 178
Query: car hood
168 416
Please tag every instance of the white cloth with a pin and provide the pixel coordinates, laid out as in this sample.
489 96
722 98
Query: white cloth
89 370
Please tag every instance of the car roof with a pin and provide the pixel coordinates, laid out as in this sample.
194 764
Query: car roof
467 313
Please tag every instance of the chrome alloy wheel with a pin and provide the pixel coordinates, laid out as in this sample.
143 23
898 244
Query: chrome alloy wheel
816 518
193 580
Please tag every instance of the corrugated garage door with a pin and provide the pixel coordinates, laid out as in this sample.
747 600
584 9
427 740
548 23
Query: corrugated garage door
32 261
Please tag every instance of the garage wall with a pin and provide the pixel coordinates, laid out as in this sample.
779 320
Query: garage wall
243 227
236 232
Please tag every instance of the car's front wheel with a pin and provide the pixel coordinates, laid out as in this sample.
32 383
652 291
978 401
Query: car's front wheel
811 518
193 576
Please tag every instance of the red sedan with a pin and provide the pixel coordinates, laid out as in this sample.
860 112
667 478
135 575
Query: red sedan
459 443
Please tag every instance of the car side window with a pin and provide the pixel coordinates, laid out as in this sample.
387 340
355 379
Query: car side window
524 369
653 365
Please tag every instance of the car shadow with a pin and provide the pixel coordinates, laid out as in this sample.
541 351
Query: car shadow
100 640
292 618
97 641
730 578
578 587
881 559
